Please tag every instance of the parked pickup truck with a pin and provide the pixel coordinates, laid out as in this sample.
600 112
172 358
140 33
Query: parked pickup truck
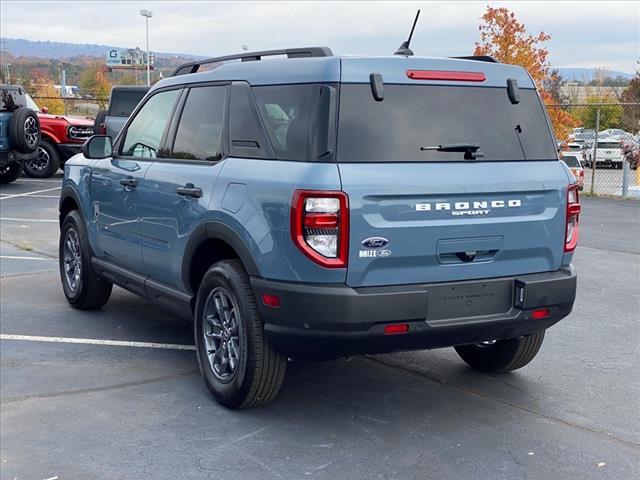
62 137
321 205
123 100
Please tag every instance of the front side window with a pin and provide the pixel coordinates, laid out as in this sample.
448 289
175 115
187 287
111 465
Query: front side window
145 132
199 134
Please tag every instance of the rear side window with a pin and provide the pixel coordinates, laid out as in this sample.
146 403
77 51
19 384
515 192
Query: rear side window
415 116
145 131
199 134
285 111
124 102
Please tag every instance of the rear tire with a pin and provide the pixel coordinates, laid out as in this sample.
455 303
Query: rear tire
237 363
8 173
82 288
46 164
503 355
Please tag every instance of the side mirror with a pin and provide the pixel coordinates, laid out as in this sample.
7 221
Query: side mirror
44 110
98 147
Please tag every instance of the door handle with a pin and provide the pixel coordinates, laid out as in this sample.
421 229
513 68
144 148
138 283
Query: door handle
129 182
189 190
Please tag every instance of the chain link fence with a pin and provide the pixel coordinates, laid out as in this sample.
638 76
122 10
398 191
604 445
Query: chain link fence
83 107
606 141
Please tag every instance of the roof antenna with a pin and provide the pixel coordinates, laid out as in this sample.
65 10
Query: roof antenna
404 49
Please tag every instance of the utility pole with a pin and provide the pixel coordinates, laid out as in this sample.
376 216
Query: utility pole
147 14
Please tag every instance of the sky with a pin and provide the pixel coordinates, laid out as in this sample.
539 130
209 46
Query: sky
583 34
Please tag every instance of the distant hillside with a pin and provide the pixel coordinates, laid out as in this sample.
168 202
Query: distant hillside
574 74
19 47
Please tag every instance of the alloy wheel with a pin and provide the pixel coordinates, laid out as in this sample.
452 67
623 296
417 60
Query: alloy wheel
31 131
72 257
221 334
40 162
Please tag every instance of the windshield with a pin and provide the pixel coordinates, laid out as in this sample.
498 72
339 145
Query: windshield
31 104
571 161
608 144
411 116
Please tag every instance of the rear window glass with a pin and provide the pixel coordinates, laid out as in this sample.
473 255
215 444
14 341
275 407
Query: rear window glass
608 144
411 116
571 161
123 102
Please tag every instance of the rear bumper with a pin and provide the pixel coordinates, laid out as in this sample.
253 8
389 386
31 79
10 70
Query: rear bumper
332 321
12 156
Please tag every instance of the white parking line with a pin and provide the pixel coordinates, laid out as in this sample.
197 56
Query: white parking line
3 195
29 193
13 257
95 341
28 220
36 180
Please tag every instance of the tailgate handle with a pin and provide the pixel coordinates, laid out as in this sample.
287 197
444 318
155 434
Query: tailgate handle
470 256
467 250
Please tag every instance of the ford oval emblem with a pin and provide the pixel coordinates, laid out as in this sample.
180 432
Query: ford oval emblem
375 242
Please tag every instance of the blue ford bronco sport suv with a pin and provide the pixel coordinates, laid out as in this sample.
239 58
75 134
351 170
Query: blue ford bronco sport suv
19 132
319 205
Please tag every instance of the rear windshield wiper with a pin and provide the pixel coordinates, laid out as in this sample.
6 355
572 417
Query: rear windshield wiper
470 150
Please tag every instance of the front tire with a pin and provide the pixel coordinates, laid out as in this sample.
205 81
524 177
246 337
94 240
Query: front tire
237 363
82 288
503 355
46 164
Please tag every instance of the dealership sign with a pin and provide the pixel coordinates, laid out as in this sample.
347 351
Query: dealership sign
128 58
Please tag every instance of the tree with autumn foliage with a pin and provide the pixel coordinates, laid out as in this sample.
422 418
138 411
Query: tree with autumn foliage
507 40
47 95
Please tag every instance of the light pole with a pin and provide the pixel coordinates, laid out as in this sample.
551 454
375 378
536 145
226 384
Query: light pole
147 14
8 74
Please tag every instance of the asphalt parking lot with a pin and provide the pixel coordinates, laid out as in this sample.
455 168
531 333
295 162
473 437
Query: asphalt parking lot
111 409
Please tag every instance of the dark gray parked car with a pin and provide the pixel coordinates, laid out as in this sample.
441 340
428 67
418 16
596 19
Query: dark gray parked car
123 100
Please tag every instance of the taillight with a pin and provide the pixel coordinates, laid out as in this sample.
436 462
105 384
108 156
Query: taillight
320 226
103 129
573 212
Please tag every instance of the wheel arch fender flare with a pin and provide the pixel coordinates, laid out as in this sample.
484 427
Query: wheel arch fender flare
49 136
217 230
68 193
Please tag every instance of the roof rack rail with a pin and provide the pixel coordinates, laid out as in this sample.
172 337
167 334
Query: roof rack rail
479 58
304 52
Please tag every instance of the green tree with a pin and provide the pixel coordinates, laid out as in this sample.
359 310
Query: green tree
88 80
610 115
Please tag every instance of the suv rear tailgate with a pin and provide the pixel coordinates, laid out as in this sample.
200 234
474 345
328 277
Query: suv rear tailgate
453 220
